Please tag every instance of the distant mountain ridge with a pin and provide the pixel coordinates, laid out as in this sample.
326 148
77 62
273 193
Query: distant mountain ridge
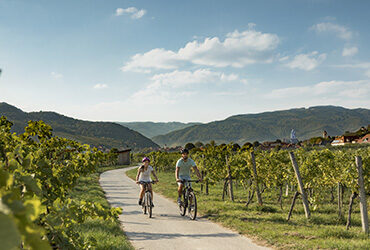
151 129
307 122
107 134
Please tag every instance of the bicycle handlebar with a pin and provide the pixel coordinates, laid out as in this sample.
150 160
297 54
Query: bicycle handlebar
146 182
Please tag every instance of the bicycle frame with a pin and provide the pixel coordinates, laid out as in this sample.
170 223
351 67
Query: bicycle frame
147 205
188 201
145 183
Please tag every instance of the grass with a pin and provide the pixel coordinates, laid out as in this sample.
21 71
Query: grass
267 225
108 235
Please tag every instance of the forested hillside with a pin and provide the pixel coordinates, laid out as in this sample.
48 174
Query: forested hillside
107 134
151 129
308 123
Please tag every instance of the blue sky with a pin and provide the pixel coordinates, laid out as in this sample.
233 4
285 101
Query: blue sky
183 60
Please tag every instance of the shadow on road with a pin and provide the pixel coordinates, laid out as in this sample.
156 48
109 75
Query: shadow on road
159 236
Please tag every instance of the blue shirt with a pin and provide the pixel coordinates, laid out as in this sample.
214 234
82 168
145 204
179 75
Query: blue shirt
185 166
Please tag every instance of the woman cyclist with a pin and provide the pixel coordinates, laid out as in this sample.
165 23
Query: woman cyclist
143 174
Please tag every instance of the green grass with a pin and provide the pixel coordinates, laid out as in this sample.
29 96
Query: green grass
108 235
268 224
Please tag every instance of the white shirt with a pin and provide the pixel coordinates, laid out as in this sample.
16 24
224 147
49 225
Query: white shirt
145 175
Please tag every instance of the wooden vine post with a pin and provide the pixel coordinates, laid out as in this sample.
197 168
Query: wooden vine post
340 202
259 198
363 204
301 186
201 184
351 200
231 192
206 183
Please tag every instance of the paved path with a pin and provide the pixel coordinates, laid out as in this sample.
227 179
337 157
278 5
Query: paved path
167 229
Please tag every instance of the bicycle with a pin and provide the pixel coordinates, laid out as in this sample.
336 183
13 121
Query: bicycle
189 200
147 203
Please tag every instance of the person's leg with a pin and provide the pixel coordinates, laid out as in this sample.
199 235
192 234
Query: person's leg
142 191
179 191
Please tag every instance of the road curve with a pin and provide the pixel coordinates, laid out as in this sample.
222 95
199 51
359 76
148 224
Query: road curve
167 229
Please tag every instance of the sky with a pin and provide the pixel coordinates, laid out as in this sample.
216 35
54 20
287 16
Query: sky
187 61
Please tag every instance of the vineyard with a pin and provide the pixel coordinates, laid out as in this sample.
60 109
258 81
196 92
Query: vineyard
37 172
325 177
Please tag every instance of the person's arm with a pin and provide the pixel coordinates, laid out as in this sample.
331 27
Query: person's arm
198 173
177 173
138 174
196 170
155 175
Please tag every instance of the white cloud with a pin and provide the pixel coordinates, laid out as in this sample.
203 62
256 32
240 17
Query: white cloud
283 59
363 65
339 30
170 87
182 78
139 14
350 51
367 73
154 59
350 90
238 49
306 61
134 12
100 86
56 75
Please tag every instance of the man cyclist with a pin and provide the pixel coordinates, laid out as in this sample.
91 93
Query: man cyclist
183 166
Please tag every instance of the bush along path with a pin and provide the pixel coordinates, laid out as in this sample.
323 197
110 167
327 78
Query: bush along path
37 174
105 234
166 229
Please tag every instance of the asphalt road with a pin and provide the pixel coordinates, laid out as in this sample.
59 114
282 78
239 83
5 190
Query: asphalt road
166 229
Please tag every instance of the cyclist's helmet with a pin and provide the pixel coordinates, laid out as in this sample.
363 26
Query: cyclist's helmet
145 159
184 151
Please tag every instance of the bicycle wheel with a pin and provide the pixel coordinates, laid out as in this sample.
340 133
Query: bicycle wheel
192 206
149 204
183 206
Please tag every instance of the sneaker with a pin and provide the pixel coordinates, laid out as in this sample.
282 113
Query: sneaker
140 201
152 204
179 200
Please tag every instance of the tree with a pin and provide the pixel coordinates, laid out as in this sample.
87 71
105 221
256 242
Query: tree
235 147
189 146
256 144
113 150
199 144
247 146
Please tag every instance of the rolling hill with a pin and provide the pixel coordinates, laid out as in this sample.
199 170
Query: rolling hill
151 129
308 122
107 134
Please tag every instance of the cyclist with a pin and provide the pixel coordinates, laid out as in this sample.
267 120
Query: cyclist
183 166
143 174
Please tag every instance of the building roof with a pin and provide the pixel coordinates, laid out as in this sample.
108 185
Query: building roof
124 150
364 139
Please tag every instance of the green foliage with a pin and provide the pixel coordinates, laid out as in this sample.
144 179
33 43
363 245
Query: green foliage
164 161
320 169
37 171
